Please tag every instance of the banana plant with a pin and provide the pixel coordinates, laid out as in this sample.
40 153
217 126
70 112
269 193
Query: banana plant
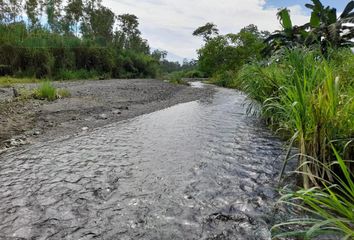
328 29
324 29
290 36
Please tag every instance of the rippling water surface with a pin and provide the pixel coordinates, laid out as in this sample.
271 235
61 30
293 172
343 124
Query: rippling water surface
198 170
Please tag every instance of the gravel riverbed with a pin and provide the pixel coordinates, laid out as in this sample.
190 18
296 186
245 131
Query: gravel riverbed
92 104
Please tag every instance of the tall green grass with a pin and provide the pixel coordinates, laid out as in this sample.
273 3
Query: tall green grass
330 209
304 98
47 91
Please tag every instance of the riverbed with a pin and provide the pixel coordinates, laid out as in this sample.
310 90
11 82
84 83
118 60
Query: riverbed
197 170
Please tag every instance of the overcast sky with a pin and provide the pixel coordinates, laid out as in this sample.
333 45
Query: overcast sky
168 24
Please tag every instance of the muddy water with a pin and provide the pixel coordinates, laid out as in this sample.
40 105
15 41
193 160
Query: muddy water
199 170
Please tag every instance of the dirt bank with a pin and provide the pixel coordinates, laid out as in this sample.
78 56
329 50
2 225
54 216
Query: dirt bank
92 104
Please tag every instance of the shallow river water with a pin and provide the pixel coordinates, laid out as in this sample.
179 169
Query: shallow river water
198 170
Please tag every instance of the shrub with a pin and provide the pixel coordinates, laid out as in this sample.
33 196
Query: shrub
225 79
65 74
46 91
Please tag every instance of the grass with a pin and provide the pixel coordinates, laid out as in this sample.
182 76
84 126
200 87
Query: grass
46 91
304 97
10 81
331 208
309 100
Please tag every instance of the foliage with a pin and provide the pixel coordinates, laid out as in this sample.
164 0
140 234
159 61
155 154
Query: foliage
324 29
207 31
9 81
231 51
303 95
330 208
80 39
225 79
46 91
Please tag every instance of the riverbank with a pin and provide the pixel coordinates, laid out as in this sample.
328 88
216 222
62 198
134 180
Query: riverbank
92 104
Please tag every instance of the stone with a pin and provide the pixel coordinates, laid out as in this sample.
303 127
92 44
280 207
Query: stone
103 116
116 112
36 133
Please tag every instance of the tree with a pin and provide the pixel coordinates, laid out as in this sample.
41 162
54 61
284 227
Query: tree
10 10
73 14
324 29
159 55
85 26
102 22
32 11
129 36
129 24
53 11
208 31
230 51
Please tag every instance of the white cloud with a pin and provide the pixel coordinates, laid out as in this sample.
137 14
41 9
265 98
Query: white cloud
169 24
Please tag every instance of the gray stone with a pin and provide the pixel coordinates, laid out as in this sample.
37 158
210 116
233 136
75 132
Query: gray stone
103 116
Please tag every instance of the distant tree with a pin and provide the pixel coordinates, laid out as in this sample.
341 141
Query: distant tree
10 10
3 10
73 14
129 24
53 11
129 35
230 51
102 22
159 55
89 6
207 31
32 8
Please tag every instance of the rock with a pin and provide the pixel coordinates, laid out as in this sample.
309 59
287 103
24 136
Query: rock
15 142
116 112
84 128
124 108
36 133
16 94
103 116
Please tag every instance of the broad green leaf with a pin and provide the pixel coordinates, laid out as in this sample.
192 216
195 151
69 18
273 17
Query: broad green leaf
315 20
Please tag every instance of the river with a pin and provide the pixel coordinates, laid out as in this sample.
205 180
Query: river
198 170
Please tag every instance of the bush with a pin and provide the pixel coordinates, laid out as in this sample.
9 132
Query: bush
225 79
46 91
65 74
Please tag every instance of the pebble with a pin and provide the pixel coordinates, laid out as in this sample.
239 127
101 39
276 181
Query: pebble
116 112
103 116
36 133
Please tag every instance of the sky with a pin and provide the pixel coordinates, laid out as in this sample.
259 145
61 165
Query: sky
169 24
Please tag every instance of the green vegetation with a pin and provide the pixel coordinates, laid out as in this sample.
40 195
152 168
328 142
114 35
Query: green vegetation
303 79
79 40
330 208
229 52
9 81
46 91
304 97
